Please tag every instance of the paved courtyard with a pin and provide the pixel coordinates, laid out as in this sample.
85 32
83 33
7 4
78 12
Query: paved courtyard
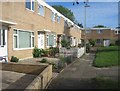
78 75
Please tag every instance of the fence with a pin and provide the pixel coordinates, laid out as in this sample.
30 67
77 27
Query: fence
75 52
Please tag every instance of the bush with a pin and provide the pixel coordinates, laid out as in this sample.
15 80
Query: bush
45 52
92 42
43 60
68 60
61 63
14 59
87 47
112 44
53 51
36 52
54 66
65 43
117 42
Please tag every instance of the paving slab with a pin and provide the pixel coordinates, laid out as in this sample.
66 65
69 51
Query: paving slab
79 74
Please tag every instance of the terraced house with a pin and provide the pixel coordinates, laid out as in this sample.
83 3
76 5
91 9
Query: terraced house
102 36
30 23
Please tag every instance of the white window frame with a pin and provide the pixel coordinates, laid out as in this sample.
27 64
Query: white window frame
31 8
32 36
47 42
58 19
1 38
99 31
39 5
53 17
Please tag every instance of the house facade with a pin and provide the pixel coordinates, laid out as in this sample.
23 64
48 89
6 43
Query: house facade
30 23
102 36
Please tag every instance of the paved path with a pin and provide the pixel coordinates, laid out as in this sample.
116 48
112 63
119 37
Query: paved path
78 74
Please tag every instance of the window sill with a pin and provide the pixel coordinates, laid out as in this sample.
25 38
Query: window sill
40 15
29 10
17 49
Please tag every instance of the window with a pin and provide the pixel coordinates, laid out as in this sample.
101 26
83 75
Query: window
99 31
118 31
51 40
88 31
58 19
30 4
23 39
2 37
99 41
41 10
53 16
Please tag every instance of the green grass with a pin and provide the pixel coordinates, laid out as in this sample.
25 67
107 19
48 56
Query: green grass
105 83
107 56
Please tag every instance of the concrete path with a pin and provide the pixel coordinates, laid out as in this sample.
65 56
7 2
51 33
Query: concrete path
78 75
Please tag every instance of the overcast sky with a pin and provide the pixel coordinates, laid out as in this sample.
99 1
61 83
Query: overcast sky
99 13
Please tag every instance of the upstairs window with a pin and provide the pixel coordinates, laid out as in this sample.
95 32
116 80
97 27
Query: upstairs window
58 19
88 31
53 16
99 31
41 10
30 4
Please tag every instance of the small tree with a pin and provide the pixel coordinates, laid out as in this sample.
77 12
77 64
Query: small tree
65 43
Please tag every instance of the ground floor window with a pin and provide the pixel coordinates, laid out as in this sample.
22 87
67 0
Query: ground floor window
99 41
23 39
2 37
51 40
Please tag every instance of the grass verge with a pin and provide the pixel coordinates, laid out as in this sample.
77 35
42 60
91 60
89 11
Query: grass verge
107 56
105 83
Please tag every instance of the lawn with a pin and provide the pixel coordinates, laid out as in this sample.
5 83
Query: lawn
107 56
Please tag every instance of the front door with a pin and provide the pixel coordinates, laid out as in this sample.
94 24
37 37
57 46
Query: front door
3 43
41 40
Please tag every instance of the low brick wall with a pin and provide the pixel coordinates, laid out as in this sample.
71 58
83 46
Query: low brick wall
75 52
43 72
41 80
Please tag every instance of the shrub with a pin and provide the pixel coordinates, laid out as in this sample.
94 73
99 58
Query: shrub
68 60
117 42
87 47
14 59
36 52
45 52
43 60
65 43
54 66
53 51
61 63
92 42
112 44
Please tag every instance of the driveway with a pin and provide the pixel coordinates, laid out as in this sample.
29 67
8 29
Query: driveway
78 75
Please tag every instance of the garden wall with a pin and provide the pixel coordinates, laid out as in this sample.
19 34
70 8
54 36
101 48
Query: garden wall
43 73
75 52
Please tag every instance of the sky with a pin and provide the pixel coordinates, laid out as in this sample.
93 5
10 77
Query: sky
99 13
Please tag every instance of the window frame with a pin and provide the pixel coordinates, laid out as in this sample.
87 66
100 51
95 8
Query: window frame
99 31
48 42
43 7
31 5
53 16
17 35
